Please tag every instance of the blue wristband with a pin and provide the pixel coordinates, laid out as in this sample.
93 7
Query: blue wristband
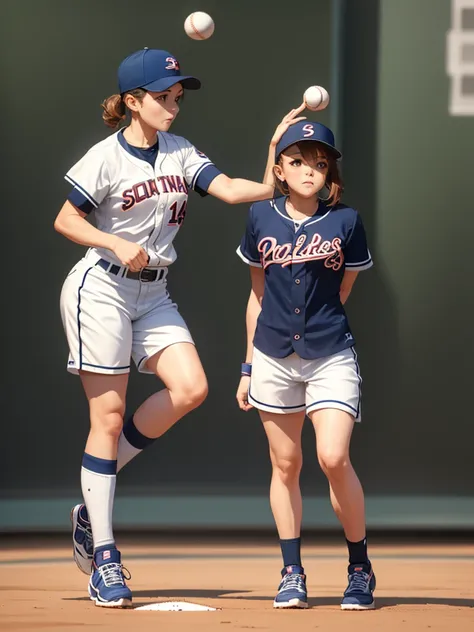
246 369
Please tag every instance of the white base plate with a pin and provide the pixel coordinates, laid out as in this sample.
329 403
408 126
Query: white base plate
176 606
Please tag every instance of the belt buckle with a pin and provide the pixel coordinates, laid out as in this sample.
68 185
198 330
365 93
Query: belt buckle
143 279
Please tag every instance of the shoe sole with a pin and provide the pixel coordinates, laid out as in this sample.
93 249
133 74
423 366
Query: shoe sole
120 603
83 564
292 603
354 606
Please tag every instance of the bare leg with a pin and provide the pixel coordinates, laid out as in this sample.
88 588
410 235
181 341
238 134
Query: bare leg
333 434
284 439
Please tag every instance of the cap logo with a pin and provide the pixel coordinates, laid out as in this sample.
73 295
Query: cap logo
172 64
308 129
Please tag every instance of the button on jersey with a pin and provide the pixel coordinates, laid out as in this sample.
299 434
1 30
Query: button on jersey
136 201
304 267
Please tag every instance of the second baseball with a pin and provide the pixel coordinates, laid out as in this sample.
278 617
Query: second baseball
199 25
316 98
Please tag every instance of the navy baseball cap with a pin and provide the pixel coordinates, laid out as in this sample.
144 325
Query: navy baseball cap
307 130
153 69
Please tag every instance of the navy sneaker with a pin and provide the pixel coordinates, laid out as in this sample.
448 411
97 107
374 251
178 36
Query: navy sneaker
83 547
107 583
292 589
359 592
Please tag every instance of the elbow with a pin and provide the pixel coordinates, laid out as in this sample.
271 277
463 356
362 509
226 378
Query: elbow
229 193
58 226
232 197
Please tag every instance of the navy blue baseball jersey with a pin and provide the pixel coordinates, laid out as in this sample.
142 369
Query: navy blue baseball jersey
304 263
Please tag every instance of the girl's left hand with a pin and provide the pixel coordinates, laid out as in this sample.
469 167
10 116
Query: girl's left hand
289 119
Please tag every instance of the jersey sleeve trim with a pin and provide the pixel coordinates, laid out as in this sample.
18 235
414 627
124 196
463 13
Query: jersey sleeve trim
206 176
78 199
198 172
255 264
357 266
77 186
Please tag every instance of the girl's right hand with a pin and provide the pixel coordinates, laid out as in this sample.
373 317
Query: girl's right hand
130 254
243 393
289 119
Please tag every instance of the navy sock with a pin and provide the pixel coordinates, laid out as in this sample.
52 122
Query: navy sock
358 552
134 436
291 552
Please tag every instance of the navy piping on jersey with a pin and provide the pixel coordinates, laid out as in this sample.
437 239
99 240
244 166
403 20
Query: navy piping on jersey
198 172
205 177
79 200
82 190
148 154
81 363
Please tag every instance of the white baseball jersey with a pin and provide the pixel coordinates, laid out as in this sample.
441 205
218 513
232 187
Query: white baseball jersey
135 201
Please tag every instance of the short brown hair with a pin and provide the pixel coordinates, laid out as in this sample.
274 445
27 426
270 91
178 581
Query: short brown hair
310 150
115 109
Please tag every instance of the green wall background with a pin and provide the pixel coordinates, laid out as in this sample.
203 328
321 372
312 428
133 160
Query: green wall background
407 169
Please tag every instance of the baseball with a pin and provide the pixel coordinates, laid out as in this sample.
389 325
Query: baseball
316 98
199 25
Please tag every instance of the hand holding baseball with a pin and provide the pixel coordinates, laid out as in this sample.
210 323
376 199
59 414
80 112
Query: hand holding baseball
316 98
289 119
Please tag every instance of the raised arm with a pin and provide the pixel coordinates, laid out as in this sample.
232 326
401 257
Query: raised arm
238 190
289 119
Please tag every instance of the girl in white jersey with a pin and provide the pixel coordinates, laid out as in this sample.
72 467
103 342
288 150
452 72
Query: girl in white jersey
114 302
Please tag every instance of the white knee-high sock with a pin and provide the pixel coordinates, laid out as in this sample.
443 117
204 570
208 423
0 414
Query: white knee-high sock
98 478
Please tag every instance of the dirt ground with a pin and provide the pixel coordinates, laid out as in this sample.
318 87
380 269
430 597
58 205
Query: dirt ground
419 587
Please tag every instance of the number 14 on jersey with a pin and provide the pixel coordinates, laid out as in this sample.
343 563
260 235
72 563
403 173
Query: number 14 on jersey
177 217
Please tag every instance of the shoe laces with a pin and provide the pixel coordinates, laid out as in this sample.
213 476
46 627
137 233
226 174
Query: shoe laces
293 581
113 574
358 582
87 530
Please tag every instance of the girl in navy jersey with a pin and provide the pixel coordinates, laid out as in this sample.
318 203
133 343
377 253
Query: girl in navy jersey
304 254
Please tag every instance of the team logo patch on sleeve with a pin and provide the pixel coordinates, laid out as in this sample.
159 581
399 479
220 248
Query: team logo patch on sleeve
201 154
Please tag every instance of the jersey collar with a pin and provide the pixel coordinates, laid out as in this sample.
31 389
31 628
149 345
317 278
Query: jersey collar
279 205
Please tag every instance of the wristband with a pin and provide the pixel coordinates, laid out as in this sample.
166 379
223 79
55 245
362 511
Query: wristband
246 369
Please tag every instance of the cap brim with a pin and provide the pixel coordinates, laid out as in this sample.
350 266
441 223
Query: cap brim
189 83
337 154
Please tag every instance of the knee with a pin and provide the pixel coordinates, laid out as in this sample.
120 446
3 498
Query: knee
192 394
109 423
333 463
287 469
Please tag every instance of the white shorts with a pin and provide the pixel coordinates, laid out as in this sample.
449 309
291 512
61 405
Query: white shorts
292 384
108 319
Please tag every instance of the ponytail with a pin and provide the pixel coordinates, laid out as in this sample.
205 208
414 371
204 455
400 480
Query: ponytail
115 109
